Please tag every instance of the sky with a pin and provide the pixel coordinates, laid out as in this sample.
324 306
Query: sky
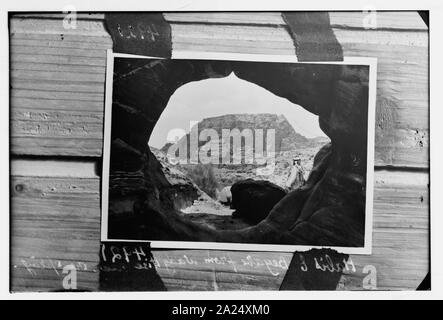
197 100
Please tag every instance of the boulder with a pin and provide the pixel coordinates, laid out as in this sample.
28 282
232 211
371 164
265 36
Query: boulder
254 199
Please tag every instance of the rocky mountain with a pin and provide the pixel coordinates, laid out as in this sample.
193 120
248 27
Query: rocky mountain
286 138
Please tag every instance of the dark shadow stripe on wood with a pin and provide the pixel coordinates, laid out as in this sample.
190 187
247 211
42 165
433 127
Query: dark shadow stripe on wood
313 37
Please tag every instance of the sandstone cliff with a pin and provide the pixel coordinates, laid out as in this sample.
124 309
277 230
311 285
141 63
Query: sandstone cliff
286 138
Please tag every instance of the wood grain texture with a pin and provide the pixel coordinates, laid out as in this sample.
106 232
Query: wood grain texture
55 15
385 19
395 20
244 18
406 20
53 70
400 251
56 220
57 87
232 38
402 112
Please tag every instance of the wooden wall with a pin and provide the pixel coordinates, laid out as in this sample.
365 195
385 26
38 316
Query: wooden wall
57 80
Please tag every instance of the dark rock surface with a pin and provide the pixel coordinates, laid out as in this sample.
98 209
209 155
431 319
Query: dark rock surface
254 199
181 190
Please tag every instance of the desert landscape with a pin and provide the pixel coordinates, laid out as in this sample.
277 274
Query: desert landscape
202 192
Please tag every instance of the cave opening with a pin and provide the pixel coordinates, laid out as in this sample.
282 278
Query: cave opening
260 124
328 210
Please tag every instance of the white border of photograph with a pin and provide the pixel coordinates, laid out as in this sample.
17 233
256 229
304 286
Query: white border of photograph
187 55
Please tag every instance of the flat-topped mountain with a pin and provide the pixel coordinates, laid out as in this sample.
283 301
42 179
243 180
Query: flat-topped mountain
286 138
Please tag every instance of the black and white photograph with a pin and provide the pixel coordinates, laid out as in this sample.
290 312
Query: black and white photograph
205 150
239 152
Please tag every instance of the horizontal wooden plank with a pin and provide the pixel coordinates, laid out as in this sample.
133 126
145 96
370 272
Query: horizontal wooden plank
221 270
50 146
55 85
56 217
399 20
57 76
404 209
246 18
354 19
82 132
67 68
60 106
231 38
58 15
57 95
44 50
60 41
58 59
53 168
402 20
47 280
56 27
54 38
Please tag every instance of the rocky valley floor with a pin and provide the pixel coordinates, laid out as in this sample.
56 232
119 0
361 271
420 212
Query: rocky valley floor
214 211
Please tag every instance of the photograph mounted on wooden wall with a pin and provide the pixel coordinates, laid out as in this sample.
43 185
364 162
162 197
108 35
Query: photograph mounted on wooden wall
239 152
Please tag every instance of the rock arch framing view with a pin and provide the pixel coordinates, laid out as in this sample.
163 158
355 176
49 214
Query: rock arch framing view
240 178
